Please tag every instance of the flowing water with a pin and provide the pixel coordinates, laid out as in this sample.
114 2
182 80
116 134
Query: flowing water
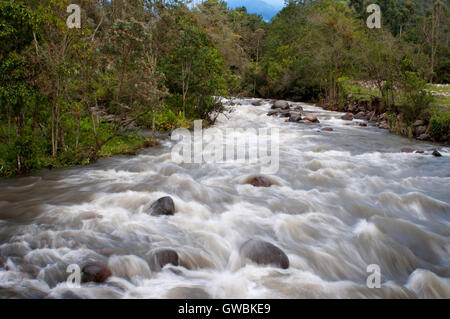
343 200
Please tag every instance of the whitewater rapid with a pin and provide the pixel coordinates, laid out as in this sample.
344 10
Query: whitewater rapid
342 200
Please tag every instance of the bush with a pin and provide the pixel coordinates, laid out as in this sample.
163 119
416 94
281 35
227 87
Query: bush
439 124
416 99
166 121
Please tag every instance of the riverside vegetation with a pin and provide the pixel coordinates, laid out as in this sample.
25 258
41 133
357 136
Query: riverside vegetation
70 96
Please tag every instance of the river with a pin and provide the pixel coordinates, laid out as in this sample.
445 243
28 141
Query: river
342 200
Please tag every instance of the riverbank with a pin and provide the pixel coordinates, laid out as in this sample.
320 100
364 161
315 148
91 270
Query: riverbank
129 144
364 103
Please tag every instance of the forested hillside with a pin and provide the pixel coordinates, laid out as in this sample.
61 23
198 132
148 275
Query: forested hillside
70 96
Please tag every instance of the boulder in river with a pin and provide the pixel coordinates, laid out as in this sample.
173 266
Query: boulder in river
284 113
163 206
295 117
259 181
424 137
436 153
419 130
264 253
347 117
312 119
363 124
284 105
328 129
162 257
257 103
95 273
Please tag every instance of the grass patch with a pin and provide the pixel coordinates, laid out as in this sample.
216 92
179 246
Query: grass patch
124 145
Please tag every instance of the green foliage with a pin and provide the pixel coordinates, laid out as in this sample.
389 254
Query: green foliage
194 71
168 121
416 98
440 124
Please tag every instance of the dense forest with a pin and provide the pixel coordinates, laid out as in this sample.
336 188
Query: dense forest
71 95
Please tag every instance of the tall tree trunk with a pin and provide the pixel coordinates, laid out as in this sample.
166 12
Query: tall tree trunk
77 137
9 123
53 133
153 126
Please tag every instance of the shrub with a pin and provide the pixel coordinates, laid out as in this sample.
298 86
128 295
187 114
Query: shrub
439 124
416 99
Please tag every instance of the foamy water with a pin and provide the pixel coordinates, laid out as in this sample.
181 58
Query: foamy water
342 200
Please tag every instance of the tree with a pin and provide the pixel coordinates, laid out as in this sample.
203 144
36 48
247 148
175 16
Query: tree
194 69
432 30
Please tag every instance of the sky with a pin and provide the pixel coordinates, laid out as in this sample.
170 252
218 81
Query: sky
276 3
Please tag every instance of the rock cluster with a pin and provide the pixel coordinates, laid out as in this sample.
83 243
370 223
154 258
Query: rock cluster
371 111
294 113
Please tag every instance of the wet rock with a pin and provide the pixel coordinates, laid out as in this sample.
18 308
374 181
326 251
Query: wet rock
419 123
295 117
299 108
257 103
284 105
163 206
363 124
408 150
436 153
285 114
424 137
419 130
328 129
162 257
95 273
259 181
264 253
384 125
272 113
312 119
361 116
347 117
188 293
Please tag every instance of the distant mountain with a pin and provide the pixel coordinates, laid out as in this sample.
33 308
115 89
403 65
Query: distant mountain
266 10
